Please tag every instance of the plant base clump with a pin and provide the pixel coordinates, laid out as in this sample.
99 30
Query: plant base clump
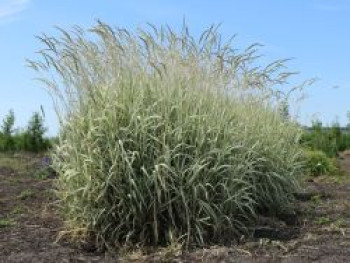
166 139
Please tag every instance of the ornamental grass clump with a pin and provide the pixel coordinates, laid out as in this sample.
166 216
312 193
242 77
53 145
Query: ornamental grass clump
166 138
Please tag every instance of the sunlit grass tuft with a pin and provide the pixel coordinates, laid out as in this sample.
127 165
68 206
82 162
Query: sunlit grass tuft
166 139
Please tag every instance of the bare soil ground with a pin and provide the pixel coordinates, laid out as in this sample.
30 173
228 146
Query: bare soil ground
29 224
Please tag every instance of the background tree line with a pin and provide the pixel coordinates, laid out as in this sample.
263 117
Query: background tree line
329 139
31 138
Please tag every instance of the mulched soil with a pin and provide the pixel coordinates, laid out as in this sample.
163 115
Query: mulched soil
29 225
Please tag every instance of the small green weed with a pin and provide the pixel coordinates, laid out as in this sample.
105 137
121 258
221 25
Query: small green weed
6 223
26 194
18 210
323 220
42 174
316 199
340 223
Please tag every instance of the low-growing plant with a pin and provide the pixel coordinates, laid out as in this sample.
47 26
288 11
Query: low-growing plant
323 220
318 163
316 199
18 210
5 223
26 194
166 139
44 173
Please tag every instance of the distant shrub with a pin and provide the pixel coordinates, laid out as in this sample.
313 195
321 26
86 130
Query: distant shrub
7 142
331 140
34 135
344 142
318 163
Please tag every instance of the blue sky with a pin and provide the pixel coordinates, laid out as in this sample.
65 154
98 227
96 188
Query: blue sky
315 33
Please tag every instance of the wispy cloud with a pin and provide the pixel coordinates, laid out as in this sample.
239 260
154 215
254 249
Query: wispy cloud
11 8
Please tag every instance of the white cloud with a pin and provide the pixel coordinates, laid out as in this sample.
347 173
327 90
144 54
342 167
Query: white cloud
10 8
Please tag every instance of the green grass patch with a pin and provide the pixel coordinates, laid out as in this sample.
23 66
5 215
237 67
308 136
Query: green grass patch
18 210
8 161
26 194
43 174
316 199
323 220
19 164
5 223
